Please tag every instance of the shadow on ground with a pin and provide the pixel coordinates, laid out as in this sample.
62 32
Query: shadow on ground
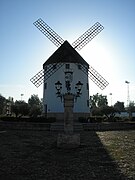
34 155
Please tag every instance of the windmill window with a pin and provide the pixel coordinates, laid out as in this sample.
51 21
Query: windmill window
79 66
45 108
45 68
67 66
87 86
86 70
45 85
88 103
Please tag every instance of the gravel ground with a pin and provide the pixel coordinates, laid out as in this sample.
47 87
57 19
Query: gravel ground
26 155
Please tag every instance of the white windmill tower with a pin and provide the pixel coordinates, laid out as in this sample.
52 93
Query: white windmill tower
66 65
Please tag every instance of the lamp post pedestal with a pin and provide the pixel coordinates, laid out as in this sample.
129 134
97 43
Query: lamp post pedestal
68 139
68 113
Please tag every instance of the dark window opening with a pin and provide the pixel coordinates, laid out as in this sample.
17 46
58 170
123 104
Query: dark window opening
87 86
79 66
45 68
67 66
45 85
88 103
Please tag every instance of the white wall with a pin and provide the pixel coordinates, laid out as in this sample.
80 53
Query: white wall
54 103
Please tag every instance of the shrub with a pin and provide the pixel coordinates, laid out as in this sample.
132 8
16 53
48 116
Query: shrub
28 119
133 118
8 118
82 120
51 119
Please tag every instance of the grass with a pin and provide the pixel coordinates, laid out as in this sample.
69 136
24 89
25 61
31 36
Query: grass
26 155
121 147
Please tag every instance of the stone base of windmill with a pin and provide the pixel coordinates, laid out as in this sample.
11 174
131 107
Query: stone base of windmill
68 141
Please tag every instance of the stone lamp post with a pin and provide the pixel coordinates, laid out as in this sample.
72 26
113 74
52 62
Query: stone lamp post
68 139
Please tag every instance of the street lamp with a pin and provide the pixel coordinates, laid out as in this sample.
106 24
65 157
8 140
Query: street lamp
111 98
68 138
58 87
128 99
78 88
21 96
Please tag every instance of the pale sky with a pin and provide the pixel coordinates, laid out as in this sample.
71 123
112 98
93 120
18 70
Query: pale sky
24 49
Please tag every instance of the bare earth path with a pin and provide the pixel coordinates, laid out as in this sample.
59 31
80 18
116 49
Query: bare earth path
26 155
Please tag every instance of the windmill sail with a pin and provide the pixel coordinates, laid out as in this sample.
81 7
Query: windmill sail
87 36
84 39
94 76
49 32
43 75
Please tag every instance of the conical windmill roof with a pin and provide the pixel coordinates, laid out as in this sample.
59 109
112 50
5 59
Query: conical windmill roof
65 54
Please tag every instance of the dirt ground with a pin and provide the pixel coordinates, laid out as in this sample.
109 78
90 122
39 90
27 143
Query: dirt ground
33 155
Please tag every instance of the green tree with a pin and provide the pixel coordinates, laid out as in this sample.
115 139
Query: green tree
2 103
119 106
35 105
98 100
35 110
131 109
15 109
108 111
34 100
20 108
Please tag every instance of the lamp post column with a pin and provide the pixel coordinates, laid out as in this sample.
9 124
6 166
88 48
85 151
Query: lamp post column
68 113
68 139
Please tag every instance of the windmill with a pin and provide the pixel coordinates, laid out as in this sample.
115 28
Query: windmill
67 53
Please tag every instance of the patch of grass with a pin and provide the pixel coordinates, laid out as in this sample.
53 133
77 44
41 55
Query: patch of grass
34 155
121 147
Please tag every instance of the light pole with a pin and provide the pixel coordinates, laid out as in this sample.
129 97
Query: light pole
68 81
111 98
22 96
68 138
78 88
128 97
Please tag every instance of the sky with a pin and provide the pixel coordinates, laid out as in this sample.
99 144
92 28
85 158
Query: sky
24 49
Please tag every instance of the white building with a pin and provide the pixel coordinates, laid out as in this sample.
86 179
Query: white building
65 58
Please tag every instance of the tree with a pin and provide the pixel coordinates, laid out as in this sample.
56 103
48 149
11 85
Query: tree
119 106
98 100
24 108
131 109
2 103
35 105
35 110
34 100
20 108
108 111
15 109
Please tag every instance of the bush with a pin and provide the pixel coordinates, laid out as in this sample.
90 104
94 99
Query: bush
28 119
91 119
99 119
133 118
82 120
8 118
96 119
118 119
51 119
